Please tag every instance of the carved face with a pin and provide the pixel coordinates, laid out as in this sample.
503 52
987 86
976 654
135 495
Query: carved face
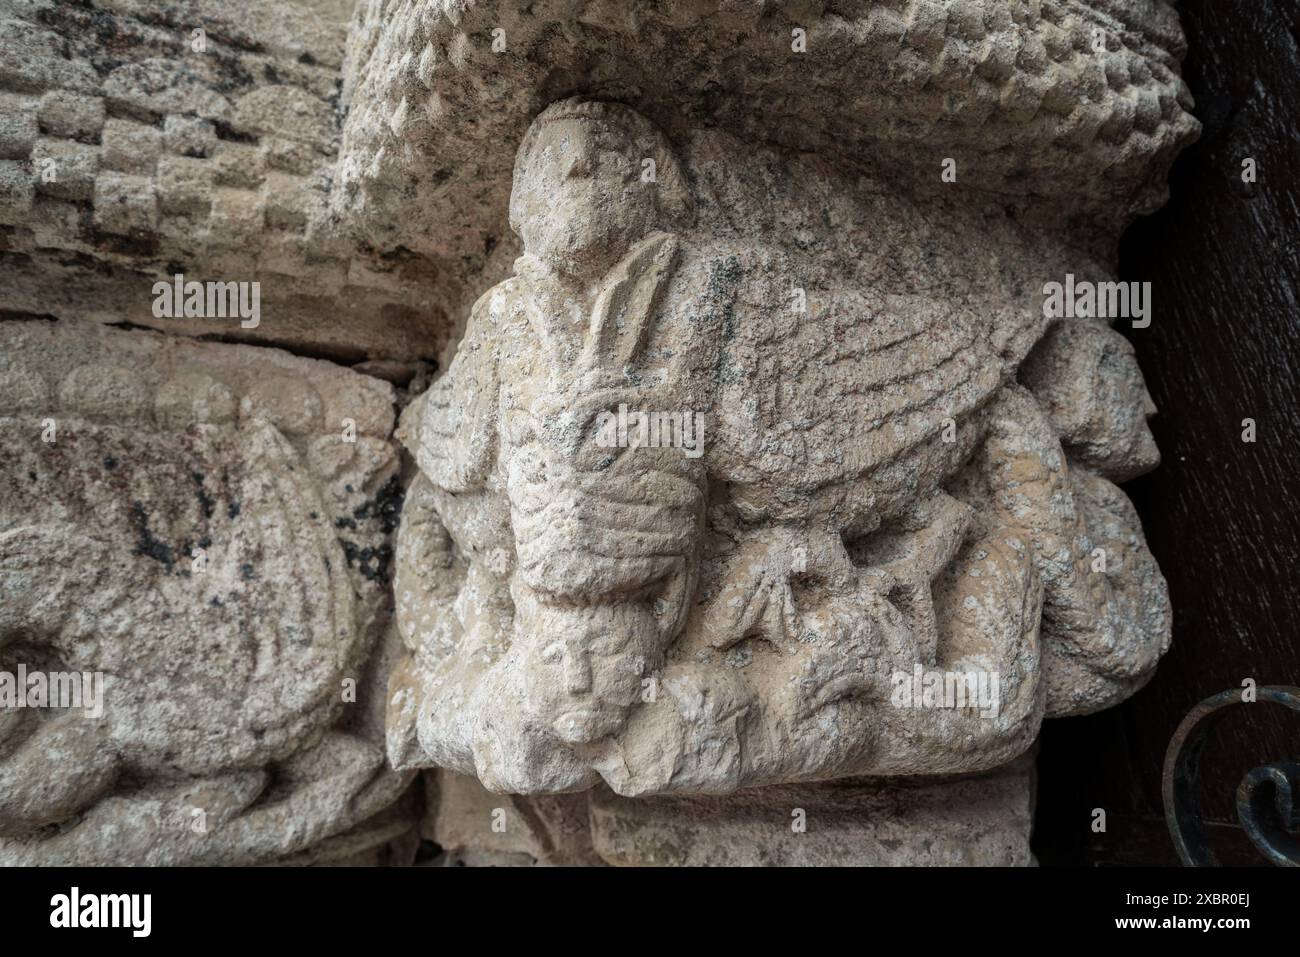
578 202
588 682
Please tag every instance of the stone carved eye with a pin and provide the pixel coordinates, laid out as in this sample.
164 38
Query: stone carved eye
553 652
579 166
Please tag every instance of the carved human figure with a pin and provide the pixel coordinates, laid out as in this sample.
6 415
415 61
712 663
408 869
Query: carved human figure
763 421
602 544
876 492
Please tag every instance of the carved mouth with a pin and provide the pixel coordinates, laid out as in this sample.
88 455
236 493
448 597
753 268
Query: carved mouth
583 725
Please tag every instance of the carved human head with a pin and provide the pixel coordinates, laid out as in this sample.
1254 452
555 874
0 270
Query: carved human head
593 684
590 179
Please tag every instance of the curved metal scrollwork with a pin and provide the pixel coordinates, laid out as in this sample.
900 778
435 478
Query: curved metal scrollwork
1267 798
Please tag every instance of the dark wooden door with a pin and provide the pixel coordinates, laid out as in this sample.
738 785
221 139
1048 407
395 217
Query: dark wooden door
1220 513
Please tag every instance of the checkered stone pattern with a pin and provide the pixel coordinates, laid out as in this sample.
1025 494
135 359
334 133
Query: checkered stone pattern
168 151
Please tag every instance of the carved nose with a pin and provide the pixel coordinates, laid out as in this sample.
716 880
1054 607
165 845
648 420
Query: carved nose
577 671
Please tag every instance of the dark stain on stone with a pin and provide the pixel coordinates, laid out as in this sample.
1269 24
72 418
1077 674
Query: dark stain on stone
232 77
385 507
147 545
140 243
228 133
388 504
372 563
205 500
16 315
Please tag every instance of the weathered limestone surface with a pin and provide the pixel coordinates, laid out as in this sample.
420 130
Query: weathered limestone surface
127 156
1019 91
826 534
185 519
479 829
809 240
979 821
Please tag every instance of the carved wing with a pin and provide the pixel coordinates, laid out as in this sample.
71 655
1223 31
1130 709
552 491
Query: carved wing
452 428
844 388
626 306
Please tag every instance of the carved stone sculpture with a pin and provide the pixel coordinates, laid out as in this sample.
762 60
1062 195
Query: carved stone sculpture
722 602
752 438
180 518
